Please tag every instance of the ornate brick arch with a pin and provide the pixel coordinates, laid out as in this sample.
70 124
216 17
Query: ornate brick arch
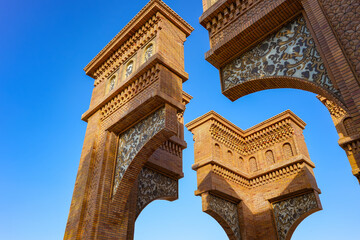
288 58
266 83
224 212
305 44
135 127
268 200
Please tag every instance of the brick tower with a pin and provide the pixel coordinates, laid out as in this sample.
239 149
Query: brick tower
259 183
311 45
132 152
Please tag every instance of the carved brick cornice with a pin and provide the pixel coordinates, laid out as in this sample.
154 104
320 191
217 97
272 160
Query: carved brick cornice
350 145
227 136
137 86
263 135
138 31
150 70
259 179
334 109
249 26
231 175
268 137
223 13
172 148
186 98
285 171
127 50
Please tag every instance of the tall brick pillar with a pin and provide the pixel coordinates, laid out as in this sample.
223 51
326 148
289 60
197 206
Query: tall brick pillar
132 152
304 44
257 183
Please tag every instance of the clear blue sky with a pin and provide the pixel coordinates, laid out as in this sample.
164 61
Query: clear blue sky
44 46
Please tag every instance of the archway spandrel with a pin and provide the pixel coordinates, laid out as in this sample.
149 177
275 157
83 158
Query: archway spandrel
288 213
131 141
153 185
288 58
224 212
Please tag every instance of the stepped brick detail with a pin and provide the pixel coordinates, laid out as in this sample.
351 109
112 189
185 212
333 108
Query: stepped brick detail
259 194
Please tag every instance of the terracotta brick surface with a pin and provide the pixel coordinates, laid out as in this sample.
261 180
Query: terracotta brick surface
235 27
131 84
255 193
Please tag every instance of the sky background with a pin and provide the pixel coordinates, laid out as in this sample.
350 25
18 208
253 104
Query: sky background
44 46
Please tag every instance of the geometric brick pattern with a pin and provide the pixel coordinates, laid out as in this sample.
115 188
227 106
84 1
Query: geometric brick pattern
287 212
152 186
241 189
289 52
344 16
131 141
312 45
222 209
132 152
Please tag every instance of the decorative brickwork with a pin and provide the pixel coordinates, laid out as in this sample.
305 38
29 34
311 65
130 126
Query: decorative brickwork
290 52
152 186
246 144
227 211
259 180
132 90
344 16
310 45
333 108
126 50
236 14
133 145
172 148
131 141
288 211
266 175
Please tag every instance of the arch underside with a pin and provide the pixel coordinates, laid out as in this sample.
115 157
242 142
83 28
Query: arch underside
133 140
224 212
289 213
135 183
135 145
152 186
288 58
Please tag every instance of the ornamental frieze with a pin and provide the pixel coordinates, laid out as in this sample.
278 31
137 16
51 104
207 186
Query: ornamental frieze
132 140
137 86
257 180
126 50
286 212
291 52
246 145
153 185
